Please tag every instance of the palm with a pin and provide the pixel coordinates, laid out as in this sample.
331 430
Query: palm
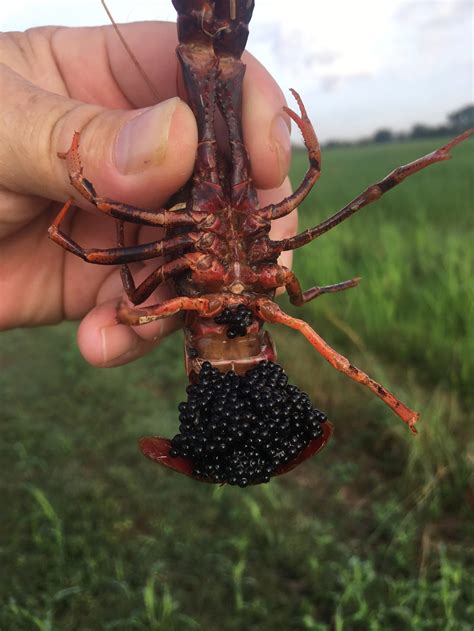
41 283
51 285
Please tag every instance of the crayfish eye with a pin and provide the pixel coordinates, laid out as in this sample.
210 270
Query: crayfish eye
241 429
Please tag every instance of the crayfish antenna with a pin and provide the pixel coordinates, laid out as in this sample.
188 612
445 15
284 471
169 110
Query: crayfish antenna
135 61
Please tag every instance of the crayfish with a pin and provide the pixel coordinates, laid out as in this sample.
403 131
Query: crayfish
242 422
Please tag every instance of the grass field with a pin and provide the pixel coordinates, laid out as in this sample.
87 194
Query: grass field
374 533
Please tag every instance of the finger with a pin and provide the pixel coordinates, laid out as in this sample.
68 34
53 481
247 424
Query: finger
105 343
139 157
286 226
266 126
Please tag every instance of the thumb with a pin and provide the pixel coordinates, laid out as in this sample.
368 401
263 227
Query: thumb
138 157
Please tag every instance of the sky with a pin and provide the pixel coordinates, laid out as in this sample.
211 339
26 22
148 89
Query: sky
359 65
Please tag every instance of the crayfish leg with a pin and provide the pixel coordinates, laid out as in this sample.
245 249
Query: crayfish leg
374 192
270 312
135 317
288 204
116 209
299 297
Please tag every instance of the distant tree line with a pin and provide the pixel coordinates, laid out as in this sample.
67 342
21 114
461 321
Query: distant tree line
457 122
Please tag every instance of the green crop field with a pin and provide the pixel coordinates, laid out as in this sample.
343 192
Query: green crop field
376 532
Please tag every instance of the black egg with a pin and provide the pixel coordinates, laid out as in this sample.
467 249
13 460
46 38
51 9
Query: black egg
239 430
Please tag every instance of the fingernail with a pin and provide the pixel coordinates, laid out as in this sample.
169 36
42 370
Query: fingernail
143 140
116 345
280 140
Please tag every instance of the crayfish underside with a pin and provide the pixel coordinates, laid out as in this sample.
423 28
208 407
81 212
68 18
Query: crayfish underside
242 422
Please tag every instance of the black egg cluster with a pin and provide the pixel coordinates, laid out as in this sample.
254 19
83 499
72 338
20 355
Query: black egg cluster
239 430
238 320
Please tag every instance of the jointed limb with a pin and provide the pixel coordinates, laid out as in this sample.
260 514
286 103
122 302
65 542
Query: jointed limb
109 206
135 317
298 297
229 100
287 205
373 192
270 312
114 256
200 68
151 282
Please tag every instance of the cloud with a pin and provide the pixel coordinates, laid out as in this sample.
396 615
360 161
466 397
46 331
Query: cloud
330 83
357 64
431 14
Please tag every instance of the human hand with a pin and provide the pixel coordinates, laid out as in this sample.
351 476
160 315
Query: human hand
54 81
